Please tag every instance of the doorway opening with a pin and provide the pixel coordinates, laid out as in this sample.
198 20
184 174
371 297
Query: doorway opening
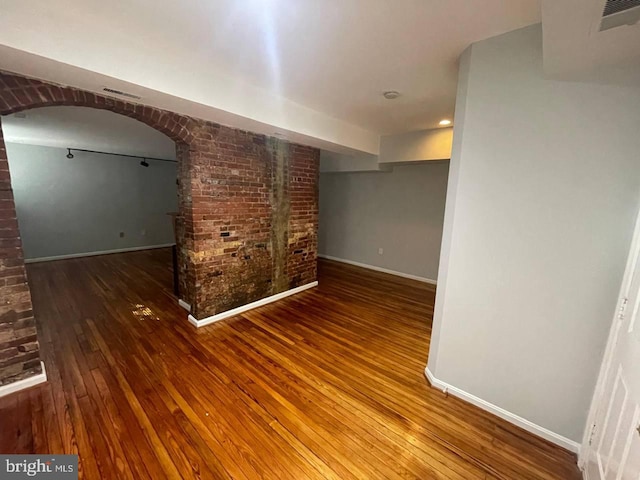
89 182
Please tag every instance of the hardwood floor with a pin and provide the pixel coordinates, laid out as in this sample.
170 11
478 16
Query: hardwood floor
325 384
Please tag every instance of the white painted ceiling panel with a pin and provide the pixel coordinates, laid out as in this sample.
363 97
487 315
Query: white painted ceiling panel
312 68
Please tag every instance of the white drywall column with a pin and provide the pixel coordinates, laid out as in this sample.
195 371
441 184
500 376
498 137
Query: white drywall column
543 190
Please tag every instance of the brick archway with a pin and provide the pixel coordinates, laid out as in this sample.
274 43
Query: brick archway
19 93
19 348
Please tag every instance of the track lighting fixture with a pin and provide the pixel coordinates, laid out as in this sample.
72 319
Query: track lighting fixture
144 161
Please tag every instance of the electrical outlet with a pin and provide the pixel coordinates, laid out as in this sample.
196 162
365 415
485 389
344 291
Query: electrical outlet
121 234
380 251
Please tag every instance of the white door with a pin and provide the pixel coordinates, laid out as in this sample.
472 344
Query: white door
611 449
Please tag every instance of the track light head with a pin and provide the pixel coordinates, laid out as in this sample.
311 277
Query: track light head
69 154
144 162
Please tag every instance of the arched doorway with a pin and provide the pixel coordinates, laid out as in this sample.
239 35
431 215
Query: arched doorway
19 337
88 182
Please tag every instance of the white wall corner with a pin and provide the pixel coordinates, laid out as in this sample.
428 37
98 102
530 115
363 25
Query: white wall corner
24 383
510 417
450 205
259 303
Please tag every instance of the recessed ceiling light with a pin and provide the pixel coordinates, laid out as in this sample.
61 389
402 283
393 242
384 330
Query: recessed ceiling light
391 95
445 122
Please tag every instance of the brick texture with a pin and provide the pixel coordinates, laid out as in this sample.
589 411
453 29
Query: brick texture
247 223
303 216
19 352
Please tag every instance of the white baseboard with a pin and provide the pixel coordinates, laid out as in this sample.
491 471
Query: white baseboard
380 269
24 383
184 305
249 306
531 427
93 254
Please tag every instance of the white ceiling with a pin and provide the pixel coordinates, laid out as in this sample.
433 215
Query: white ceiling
86 128
312 69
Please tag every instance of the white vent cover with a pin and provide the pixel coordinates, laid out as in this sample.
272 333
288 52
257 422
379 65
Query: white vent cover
121 93
620 12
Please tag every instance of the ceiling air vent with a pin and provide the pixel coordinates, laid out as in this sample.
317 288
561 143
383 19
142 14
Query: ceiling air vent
620 12
121 93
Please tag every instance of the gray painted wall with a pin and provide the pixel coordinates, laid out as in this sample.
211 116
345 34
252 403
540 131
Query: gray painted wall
400 211
69 206
543 192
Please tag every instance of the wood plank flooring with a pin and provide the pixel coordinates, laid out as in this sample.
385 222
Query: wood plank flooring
327 384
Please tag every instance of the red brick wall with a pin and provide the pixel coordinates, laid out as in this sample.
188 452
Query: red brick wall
255 222
303 216
19 351
231 217
184 224
246 229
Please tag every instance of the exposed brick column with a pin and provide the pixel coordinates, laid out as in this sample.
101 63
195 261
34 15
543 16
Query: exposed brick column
303 215
231 209
254 207
279 157
19 351
184 225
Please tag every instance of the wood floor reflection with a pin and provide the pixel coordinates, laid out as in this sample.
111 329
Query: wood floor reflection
325 384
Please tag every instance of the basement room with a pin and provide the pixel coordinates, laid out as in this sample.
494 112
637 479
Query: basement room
275 239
